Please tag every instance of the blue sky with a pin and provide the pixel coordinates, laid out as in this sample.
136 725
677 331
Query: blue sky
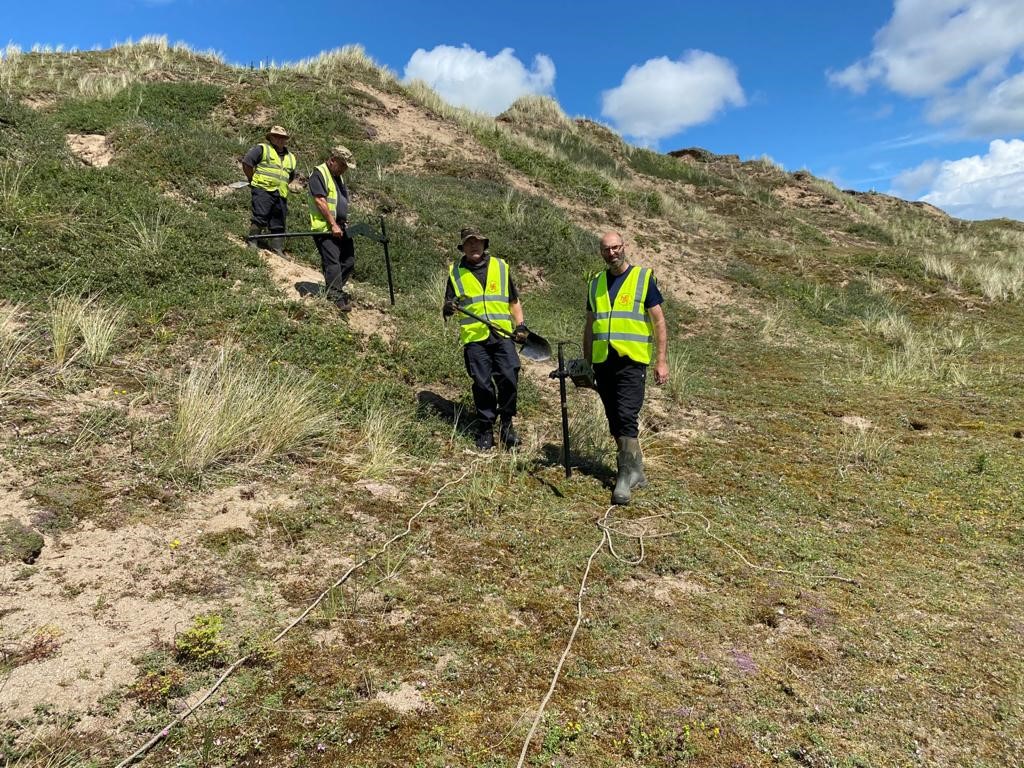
921 98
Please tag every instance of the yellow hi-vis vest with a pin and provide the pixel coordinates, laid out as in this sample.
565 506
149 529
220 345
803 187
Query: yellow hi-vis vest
489 302
626 326
271 173
317 221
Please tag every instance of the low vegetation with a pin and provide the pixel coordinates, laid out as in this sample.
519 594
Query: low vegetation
825 570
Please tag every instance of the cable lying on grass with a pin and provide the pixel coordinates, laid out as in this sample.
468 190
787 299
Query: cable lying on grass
637 529
165 731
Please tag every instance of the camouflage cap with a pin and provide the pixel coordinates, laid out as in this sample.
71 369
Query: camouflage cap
344 154
471 232
277 130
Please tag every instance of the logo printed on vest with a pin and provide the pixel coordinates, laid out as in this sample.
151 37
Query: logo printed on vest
492 287
623 299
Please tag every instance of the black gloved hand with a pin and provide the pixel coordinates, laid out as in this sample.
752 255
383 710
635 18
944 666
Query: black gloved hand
520 333
450 308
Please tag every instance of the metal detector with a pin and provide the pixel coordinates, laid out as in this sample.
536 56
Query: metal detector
362 229
580 372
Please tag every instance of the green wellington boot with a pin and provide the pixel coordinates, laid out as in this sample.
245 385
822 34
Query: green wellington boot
630 462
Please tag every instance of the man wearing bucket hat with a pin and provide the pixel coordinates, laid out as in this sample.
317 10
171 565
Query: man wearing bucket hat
481 284
328 211
625 332
269 167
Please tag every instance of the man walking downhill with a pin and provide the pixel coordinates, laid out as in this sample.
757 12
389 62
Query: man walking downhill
269 167
481 284
623 307
328 211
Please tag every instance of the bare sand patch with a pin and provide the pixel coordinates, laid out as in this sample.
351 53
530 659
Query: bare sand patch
406 698
91 148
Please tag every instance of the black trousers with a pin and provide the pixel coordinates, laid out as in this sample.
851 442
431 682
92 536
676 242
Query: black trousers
269 210
338 260
620 383
493 365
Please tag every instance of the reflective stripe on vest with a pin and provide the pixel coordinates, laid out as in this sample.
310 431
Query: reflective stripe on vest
271 173
490 302
317 221
626 327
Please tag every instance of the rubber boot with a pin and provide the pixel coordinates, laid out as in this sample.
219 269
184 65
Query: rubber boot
630 463
509 436
254 230
277 246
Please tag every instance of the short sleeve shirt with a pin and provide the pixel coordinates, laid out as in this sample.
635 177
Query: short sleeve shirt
318 188
253 156
653 298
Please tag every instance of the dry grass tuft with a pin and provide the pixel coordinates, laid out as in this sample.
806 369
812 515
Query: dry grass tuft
941 266
15 344
862 447
999 282
65 320
380 442
231 410
680 376
99 327
533 110
588 430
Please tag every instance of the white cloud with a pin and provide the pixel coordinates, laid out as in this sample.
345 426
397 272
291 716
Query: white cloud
470 78
661 97
913 181
977 187
958 54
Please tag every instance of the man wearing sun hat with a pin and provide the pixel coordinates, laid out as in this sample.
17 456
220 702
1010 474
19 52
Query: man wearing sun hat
328 199
481 284
269 167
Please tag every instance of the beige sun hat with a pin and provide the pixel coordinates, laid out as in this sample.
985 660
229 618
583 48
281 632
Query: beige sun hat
344 154
277 130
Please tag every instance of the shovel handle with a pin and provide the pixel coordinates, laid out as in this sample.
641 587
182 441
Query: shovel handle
500 331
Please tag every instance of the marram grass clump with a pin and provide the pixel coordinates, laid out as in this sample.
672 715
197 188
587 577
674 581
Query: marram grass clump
231 410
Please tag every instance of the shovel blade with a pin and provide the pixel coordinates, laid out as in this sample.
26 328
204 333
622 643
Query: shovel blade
536 348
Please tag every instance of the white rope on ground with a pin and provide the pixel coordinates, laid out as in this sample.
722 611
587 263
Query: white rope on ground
568 646
608 531
163 733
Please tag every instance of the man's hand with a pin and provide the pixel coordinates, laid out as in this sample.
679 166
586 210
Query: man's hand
660 372
336 229
520 333
450 307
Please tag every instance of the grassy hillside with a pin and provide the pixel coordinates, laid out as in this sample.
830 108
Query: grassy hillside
825 571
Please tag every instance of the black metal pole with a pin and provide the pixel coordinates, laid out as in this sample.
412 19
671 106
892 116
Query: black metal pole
566 455
387 260
283 234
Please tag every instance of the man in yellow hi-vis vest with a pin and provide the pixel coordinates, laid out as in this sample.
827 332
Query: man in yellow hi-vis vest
328 199
269 167
481 284
624 322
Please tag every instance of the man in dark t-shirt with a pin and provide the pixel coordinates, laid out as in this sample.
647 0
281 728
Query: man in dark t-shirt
328 213
625 332
269 167
482 284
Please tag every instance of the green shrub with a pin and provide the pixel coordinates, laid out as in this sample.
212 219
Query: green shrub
202 644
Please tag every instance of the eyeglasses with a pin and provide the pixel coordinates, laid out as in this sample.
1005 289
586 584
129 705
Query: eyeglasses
611 248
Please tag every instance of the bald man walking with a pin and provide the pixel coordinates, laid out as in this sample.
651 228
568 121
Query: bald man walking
624 332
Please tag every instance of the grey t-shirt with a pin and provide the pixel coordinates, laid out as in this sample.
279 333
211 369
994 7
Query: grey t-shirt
318 188
253 156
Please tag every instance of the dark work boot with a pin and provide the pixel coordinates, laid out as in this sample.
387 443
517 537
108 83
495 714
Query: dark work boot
509 436
630 462
485 438
254 230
